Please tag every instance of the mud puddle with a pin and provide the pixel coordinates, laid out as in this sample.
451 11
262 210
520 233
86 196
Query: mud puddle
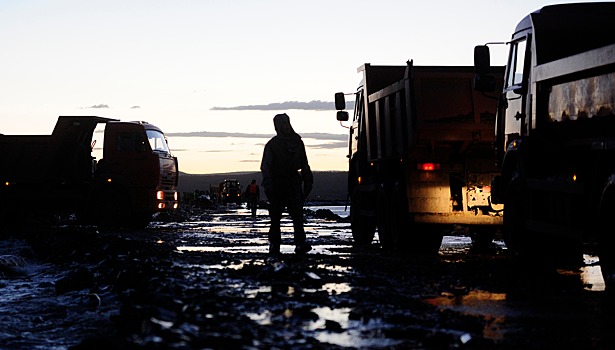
207 282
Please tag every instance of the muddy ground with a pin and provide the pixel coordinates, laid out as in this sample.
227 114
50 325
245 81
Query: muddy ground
202 280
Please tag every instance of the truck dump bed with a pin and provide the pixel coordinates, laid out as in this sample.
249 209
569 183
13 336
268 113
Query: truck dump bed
63 155
424 104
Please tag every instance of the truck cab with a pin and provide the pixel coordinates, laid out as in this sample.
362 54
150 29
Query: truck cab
230 191
554 129
137 162
58 175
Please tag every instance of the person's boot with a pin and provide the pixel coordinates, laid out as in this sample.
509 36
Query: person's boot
302 248
274 249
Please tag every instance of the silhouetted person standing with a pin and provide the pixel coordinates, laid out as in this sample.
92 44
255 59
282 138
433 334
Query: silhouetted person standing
253 195
287 181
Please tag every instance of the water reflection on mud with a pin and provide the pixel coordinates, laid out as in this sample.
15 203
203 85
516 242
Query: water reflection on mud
331 321
590 274
489 305
335 296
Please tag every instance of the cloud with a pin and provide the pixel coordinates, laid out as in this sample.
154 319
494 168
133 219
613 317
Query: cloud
330 145
315 105
106 106
313 135
99 106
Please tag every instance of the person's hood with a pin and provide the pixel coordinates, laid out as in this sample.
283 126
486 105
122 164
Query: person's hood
281 122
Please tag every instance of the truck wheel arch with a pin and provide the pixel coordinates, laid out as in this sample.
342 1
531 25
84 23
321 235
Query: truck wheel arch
510 168
110 203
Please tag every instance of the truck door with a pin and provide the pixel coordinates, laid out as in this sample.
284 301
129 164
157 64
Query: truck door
357 121
515 91
127 153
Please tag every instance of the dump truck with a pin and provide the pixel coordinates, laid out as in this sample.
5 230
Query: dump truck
45 177
555 133
421 156
230 191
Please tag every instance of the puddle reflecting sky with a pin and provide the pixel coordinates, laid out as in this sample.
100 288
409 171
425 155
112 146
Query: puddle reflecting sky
357 333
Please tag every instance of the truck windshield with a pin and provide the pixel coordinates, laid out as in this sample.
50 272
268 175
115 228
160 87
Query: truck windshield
157 141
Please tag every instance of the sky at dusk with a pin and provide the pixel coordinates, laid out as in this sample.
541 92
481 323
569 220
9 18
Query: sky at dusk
212 74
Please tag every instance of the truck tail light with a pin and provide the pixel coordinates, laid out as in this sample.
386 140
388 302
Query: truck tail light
428 166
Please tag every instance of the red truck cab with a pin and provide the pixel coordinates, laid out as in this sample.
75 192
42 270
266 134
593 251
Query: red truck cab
137 175
57 175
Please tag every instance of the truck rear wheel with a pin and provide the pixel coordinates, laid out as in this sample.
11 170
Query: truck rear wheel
482 236
423 239
396 228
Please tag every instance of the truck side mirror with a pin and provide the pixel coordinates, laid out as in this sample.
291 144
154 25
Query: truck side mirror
482 60
340 102
342 116
483 81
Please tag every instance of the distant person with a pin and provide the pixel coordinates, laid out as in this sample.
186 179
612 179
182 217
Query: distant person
287 181
253 196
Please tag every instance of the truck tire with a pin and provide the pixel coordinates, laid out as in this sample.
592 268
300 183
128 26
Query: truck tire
422 239
363 217
396 228
514 230
531 247
108 206
482 237
391 216
606 237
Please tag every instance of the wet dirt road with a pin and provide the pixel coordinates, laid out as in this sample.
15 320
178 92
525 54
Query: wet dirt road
205 282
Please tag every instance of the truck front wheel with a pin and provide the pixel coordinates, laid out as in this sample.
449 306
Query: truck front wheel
109 206
391 216
529 245
363 217
606 237
514 217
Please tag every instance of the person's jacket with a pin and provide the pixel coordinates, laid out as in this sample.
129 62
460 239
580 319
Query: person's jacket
285 163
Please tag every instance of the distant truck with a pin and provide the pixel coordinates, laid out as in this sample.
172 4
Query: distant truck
421 156
230 191
47 176
555 133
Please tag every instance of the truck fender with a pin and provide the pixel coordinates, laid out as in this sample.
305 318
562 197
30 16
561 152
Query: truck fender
499 185
607 199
